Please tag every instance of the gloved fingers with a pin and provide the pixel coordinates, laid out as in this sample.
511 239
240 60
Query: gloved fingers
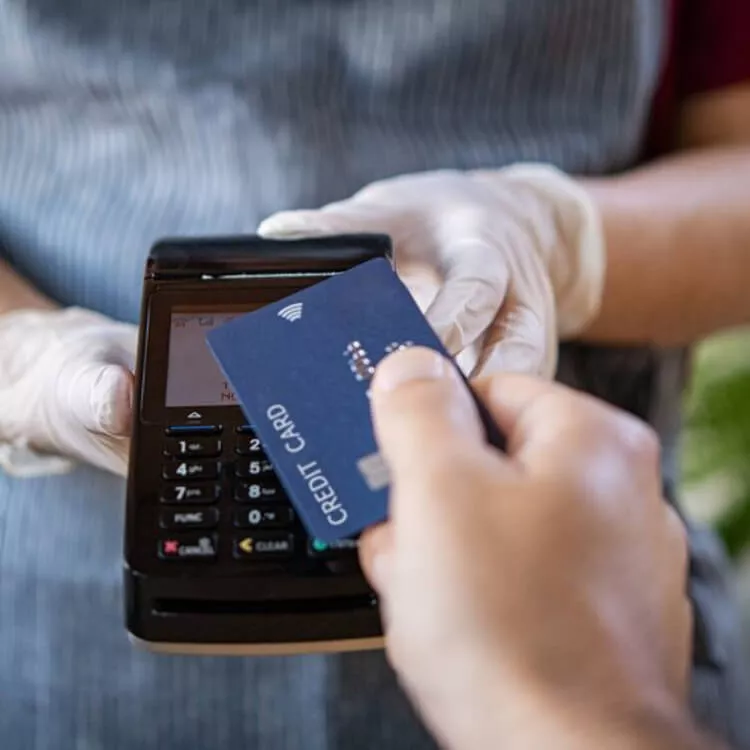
518 341
474 288
99 397
289 224
335 218
124 346
102 451
468 358
423 286
422 282
110 454
110 344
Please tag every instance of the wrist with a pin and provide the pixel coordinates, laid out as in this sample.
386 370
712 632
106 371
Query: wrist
649 728
566 230
642 720
576 256
17 294
567 718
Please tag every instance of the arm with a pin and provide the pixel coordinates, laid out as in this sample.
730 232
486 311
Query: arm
678 232
16 293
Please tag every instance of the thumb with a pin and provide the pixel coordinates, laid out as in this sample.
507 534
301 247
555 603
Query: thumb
423 414
475 284
519 341
100 397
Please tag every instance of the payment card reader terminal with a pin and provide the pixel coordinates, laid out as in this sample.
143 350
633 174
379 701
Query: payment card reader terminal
216 561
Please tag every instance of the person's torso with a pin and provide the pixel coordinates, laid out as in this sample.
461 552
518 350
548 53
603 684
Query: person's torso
124 121
121 122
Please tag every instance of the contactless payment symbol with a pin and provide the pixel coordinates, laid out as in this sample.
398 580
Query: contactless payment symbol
291 312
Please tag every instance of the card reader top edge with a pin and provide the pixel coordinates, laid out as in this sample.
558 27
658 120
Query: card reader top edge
193 257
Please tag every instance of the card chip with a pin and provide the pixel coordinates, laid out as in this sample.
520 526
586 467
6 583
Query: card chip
374 471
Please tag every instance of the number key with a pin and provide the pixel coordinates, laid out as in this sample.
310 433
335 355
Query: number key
198 494
191 470
193 447
249 446
260 491
263 518
252 468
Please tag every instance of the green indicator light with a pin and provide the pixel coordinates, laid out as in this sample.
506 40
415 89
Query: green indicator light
319 546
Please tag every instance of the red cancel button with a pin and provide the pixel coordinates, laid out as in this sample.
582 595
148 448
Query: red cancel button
189 547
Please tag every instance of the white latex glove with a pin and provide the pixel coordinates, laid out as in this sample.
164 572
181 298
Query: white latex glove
65 390
502 262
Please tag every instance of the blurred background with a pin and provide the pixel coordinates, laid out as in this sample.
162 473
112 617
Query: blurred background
716 447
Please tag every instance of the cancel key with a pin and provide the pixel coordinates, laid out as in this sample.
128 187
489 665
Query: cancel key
263 546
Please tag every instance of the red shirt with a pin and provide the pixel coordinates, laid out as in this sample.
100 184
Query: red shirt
709 48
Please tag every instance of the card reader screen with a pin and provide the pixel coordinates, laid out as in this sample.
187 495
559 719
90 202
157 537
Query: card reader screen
193 377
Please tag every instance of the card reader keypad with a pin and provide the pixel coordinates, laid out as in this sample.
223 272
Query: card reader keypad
220 498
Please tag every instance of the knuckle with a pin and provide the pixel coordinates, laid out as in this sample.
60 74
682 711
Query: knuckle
476 268
633 439
639 440
375 191
396 189
462 217
610 432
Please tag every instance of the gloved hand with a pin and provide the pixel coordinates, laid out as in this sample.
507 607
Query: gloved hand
501 261
65 390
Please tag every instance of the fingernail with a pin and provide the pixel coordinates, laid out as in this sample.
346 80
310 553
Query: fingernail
408 366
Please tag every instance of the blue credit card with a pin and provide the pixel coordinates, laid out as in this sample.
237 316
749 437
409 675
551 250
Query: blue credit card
301 369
